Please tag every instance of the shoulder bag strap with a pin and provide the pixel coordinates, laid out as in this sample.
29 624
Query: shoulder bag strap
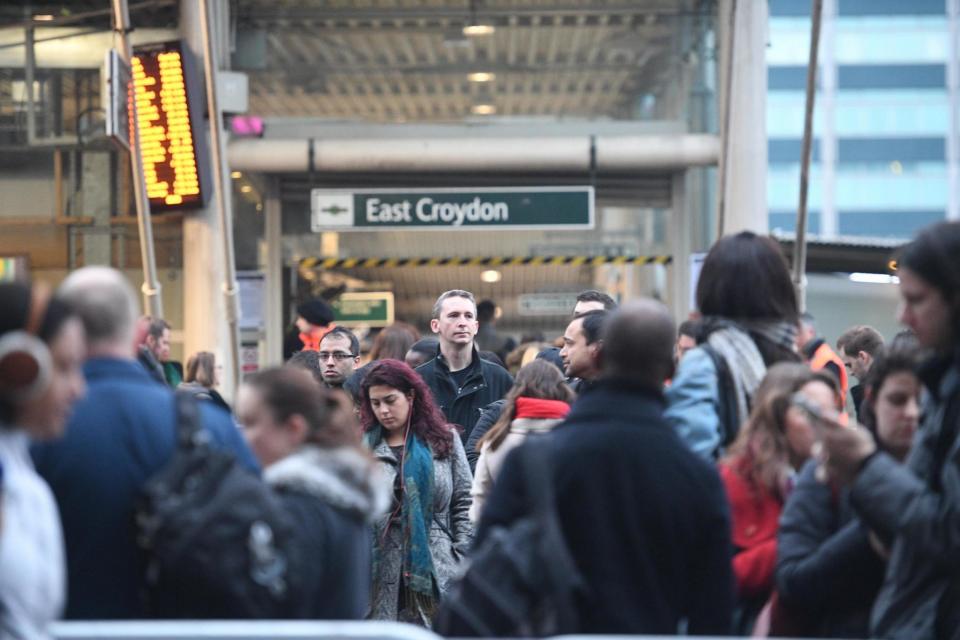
187 413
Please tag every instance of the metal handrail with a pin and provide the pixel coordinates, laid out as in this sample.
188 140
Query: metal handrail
237 630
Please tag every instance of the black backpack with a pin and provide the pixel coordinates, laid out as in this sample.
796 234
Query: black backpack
216 541
522 579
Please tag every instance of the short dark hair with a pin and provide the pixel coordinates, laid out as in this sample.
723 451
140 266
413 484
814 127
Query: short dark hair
156 327
592 326
745 277
486 310
690 328
346 333
592 295
903 357
309 360
860 338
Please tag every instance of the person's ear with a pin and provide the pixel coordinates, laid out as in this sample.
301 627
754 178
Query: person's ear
435 325
297 429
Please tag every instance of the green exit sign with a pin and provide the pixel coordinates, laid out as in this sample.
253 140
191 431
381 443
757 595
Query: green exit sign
372 309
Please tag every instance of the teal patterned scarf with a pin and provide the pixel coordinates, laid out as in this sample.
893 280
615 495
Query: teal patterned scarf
416 515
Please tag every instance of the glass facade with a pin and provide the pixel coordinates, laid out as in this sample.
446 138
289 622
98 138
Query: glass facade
885 150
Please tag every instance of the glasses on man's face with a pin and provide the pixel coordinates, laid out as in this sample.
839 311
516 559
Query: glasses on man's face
336 355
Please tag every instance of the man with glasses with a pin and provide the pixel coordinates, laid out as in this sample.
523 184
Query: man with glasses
339 355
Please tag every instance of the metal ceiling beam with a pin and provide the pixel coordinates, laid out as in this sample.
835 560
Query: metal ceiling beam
328 14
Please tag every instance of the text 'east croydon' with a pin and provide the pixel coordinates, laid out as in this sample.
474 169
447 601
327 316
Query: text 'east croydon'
426 210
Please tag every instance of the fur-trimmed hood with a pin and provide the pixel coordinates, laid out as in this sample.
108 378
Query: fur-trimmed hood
344 478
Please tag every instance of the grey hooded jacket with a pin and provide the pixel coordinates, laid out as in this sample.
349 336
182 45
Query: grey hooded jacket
333 495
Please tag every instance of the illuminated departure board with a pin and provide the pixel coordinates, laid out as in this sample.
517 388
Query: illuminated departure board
172 159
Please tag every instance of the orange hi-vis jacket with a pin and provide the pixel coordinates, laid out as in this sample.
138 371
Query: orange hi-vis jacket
823 355
311 341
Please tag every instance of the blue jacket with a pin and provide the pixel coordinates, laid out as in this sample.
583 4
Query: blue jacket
120 434
692 403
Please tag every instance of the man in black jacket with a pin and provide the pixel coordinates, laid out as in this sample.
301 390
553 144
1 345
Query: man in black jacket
462 383
645 519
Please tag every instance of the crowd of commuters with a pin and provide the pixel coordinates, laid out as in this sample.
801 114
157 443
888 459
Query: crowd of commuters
708 479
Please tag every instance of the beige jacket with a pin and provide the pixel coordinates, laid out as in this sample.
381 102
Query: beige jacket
489 462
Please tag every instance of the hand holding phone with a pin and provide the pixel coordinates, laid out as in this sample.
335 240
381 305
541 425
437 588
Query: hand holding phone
817 417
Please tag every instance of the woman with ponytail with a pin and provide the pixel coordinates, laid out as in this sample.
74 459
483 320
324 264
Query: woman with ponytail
539 400
419 544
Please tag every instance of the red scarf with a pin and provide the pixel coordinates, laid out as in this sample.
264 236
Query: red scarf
540 408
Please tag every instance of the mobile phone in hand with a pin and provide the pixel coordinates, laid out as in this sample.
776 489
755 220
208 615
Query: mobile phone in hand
813 412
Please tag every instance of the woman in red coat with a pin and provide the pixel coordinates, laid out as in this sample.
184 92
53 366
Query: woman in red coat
758 474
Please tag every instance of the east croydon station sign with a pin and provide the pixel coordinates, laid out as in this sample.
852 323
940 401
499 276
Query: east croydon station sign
449 209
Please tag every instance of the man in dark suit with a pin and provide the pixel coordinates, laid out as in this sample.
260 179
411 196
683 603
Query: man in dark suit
645 519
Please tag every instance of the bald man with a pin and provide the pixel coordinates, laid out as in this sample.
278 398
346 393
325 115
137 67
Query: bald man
644 518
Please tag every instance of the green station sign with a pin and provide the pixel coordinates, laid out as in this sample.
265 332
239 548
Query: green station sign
372 309
448 209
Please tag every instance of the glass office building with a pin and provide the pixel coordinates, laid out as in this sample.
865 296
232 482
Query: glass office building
885 156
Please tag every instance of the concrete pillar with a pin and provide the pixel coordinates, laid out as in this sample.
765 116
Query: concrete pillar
272 351
205 325
679 248
97 201
745 172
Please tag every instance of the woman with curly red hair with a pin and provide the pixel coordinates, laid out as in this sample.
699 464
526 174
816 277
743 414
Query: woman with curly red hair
419 544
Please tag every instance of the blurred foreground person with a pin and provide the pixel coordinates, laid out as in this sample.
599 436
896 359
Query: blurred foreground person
305 439
419 545
828 570
539 400
644 519
759 474
917 505
41 352
120 435
749 323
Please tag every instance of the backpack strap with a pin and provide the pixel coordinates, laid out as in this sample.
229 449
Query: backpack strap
726 397
535 462
187 413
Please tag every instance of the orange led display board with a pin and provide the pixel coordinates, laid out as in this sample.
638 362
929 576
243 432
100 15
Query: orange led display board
173 162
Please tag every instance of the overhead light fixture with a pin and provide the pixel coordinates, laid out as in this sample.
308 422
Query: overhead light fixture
491 276
246 189
474 27
481 76
43 17
874 278
483 109
474 30
236 175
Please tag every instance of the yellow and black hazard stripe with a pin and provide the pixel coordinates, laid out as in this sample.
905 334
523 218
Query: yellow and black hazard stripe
495 261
